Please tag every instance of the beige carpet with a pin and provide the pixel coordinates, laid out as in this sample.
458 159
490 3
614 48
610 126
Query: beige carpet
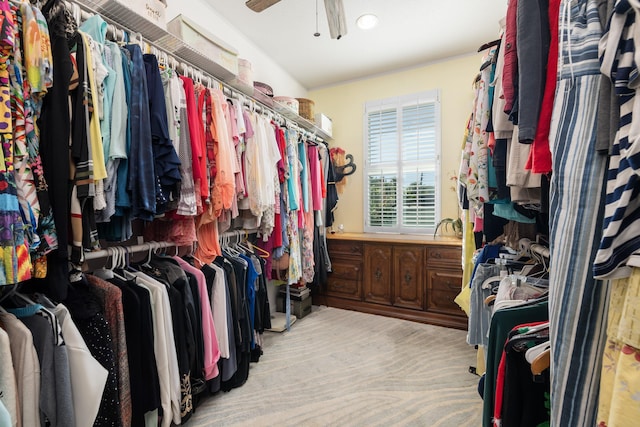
343 368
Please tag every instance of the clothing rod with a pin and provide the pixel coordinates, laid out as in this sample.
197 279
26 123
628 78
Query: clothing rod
144 247
237 233
82 12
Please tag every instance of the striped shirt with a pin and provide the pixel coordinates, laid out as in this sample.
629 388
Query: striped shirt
620 245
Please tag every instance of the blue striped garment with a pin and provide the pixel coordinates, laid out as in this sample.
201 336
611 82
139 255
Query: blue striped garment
620 246
577 301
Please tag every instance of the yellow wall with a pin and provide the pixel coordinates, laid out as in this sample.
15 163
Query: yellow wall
345 105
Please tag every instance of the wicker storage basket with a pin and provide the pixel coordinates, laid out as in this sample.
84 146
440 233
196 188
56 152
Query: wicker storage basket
306 108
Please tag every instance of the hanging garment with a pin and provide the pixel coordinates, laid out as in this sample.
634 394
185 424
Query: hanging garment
56 405
576 300
145 383
26 366
39 74
620 382
110 298
85 312
29 203
211 348
196 133
88 377
142 175
620 246
166 162
16 264
54 150
533 48
521 399
182 333
502 322
164 349
9 395
540 156
167 269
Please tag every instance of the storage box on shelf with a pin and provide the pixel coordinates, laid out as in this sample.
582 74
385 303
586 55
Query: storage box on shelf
145 16
207 44
324 123
413 278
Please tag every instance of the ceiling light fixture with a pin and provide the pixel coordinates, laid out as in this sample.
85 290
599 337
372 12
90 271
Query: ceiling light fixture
367 21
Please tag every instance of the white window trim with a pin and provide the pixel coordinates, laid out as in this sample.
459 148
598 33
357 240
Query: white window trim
395 102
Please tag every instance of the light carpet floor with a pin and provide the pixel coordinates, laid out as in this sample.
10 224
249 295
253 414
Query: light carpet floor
344 368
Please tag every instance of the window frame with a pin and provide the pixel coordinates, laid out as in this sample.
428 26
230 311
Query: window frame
399 103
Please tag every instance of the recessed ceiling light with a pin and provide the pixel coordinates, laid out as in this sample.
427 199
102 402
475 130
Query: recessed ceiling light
367 21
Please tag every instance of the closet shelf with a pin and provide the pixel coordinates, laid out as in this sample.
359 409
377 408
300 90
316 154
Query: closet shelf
121 15
301 121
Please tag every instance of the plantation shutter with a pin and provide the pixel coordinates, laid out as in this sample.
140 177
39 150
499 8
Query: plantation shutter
402 157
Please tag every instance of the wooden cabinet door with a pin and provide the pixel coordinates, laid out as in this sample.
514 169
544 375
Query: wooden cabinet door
408 281
377 274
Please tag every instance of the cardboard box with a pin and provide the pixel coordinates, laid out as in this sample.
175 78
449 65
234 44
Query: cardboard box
205 43
324 123
300 308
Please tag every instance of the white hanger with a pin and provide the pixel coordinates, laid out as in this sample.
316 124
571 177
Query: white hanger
535 351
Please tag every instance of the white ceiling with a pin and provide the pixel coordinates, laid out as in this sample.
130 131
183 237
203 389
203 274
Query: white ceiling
410 33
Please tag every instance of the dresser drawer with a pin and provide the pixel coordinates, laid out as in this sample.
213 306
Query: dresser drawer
339 248
443 287
445 280
444 302
344 288
341 269
441 255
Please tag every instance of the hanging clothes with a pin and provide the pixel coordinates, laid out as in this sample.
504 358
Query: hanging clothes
26 366
16 265
142 174
577 302
110 298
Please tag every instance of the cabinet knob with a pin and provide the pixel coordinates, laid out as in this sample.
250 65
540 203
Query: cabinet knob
378 274
407 277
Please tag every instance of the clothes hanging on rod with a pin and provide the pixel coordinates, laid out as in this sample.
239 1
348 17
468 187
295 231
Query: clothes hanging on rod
159 332
115 184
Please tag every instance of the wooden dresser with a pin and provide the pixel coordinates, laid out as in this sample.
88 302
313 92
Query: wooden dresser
409 277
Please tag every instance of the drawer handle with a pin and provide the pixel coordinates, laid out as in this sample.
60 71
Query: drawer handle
407 277
378 274
437 255
355 249
340 286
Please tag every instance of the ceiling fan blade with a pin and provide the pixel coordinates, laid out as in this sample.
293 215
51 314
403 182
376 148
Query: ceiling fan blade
260 5
336 18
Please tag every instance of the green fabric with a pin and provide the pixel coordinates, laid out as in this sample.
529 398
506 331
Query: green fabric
501 324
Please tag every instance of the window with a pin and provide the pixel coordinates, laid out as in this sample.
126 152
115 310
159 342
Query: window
402 153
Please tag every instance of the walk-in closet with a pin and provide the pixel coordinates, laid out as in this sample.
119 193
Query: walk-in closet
319 213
